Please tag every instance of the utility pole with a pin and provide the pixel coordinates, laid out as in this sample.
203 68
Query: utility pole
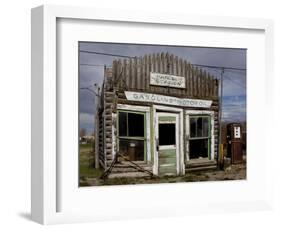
96 94
221 154
96 141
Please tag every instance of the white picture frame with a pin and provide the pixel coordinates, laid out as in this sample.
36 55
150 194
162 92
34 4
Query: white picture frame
46 182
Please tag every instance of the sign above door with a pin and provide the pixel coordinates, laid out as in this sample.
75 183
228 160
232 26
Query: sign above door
168 100
160 79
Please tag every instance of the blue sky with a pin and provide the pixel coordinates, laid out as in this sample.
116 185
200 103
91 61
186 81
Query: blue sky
234 83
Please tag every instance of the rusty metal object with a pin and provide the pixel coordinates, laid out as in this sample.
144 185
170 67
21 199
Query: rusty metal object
234 148
132 151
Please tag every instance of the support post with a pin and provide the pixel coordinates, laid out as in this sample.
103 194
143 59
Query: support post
221 155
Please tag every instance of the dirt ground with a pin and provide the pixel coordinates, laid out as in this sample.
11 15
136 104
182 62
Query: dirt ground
232 172
89 176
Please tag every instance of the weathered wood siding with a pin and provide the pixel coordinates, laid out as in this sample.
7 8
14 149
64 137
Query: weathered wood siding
167 162
134 75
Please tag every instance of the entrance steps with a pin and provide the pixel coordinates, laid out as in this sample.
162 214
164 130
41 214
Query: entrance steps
128 175
124 169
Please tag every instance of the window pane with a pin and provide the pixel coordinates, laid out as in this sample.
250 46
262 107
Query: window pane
136 125
167 134
192 127
198 148
199 127
205 126
132 149
122 124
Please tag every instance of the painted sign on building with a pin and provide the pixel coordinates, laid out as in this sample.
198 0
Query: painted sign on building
167 100
167 80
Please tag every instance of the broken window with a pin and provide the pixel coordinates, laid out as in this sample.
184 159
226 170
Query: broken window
199 126
198 148
131 135
132 149
200 138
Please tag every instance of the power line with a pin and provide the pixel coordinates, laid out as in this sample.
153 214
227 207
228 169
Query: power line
219 67
235 72
95 65
126 56
235 82
214 70
106 54
90 90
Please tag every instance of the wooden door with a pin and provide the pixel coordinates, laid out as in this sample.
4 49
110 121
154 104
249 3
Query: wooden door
167 143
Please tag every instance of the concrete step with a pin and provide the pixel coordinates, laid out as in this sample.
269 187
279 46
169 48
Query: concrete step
128 175
195 164
202 168
128 164
129 169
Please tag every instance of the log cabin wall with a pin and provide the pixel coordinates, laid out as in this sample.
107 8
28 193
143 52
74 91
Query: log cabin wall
134 75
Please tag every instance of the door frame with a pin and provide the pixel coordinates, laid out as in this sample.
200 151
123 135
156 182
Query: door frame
187 130
176 116
180 152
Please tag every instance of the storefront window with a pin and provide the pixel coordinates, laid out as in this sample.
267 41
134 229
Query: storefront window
199 141
131 135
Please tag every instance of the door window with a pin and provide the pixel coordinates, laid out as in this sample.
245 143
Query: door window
167 134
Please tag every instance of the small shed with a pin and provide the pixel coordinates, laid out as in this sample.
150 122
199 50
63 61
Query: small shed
159 112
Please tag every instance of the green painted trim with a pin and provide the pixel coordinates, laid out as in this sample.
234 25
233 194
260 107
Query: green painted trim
132 138
167 118
170 160
127 121
167 153
145 138
167 170
117 127
209 141
185 139
199 115
152 134
198 138
167 156
130 111
209 132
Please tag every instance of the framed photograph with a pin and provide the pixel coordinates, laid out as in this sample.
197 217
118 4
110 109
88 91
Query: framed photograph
128 104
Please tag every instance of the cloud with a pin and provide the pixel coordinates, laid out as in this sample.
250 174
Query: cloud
87 122
234 108
87 102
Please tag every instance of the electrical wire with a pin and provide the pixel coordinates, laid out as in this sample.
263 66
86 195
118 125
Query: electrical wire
194 64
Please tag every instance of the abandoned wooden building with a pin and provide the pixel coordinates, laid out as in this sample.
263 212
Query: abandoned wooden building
159 112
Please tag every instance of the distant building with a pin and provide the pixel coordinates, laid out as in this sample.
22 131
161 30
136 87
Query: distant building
86 139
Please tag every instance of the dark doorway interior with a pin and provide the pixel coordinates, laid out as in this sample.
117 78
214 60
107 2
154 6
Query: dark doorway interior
167 134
